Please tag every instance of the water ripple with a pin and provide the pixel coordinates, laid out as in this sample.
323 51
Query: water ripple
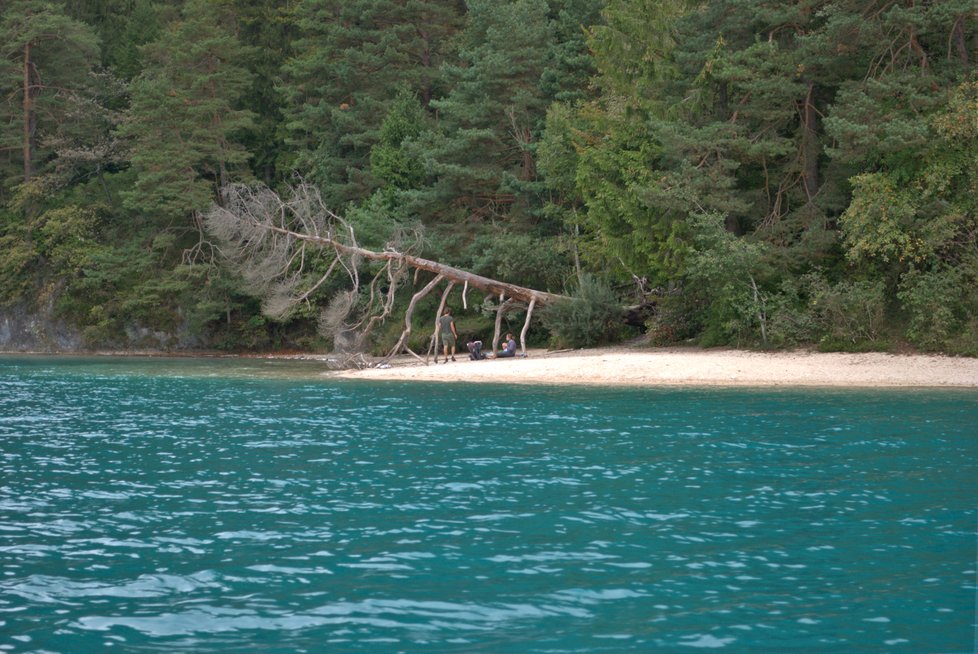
151 506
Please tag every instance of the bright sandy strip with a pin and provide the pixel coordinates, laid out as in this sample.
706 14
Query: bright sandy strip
691 367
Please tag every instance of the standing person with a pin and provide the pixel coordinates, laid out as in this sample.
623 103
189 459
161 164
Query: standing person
509 348
448 334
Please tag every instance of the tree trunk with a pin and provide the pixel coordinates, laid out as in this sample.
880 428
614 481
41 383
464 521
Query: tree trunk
960 44
809 144
408 314
426 83
28 114
458 275
722 106
504 304
526 325
266 240
441 310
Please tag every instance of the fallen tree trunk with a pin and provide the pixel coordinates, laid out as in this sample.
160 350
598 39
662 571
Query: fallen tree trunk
271 242
493 286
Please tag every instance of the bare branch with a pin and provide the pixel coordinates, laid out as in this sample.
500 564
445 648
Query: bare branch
406 333
270 241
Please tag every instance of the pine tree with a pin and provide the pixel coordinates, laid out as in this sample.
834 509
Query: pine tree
492 117
572 66
46 60
122 26
392 163
185 121
352 59
786 120
84 145
604 157
269 28
906 122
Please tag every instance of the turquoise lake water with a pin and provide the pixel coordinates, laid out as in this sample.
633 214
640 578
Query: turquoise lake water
208 505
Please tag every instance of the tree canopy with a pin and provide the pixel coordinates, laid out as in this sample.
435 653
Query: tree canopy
760 174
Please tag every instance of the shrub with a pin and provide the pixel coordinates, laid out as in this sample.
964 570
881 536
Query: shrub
727 274
930 298
677 319
965 342
848 312
592 315
15 280
790 319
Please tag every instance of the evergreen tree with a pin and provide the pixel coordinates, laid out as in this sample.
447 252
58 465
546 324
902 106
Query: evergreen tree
490 121
392 163
85 145
604 157
352 58
752 126
729 108
269 28
185 122
907 124
122 26
791 172
572 66
45 64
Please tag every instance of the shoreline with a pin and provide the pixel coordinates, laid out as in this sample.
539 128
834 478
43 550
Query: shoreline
640 366
651 367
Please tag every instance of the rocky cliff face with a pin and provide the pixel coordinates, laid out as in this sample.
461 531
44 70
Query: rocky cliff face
31 331
24 329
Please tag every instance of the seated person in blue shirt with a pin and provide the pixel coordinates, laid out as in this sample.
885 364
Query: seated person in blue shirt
509 349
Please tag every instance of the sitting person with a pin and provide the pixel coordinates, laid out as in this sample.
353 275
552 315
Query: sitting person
509 348
475 350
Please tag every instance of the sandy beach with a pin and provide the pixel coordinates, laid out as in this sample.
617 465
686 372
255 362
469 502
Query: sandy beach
630 366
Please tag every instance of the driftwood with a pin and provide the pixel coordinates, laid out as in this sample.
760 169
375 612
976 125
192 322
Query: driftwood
273 243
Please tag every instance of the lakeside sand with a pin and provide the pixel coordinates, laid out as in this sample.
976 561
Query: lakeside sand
629 366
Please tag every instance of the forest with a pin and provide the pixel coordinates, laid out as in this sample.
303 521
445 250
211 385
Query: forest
738 172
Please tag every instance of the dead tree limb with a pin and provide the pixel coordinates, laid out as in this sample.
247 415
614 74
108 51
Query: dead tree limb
243 219
526 325
402 342
504 306
269 241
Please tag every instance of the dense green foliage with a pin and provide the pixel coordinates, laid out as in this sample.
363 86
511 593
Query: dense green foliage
590 316
795 172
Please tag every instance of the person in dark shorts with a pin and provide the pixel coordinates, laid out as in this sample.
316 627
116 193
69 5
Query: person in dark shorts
448 334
